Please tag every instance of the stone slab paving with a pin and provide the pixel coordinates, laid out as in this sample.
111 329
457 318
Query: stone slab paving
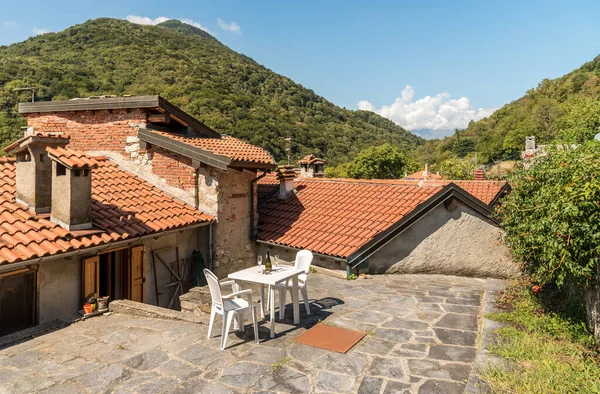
422 336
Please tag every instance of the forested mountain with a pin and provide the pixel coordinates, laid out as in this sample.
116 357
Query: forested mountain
226 90
562 109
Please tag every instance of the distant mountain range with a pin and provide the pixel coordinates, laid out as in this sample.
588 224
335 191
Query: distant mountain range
226 90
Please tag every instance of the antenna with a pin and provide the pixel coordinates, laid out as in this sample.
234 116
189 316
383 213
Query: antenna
288 148
32 89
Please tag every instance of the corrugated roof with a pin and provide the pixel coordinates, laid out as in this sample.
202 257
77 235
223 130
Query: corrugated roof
338 216
123 205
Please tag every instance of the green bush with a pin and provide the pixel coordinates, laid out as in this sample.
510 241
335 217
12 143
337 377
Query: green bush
552 216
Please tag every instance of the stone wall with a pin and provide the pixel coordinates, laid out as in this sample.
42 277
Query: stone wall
592 300
457 242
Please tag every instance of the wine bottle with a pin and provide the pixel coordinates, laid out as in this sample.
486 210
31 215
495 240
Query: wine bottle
268 264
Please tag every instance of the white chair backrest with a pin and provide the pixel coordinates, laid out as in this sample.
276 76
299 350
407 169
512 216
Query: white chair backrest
303 261
214 287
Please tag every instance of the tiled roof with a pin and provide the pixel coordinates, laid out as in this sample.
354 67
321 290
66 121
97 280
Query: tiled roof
424 175
123 205
311 159
71 158
337 216
229 147
49 138
334 217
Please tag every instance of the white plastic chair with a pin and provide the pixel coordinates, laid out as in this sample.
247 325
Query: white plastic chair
303 261
228 306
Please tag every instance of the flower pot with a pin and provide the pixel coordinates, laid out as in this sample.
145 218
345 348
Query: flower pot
88 308
103 302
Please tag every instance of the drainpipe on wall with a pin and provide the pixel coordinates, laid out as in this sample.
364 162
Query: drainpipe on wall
210 247
252 205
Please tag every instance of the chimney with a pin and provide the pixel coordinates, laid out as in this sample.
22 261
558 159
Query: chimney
286 175
34 169
529 143
312 167
425 172
72 188
479 175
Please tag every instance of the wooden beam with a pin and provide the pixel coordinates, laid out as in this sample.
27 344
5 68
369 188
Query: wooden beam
159 118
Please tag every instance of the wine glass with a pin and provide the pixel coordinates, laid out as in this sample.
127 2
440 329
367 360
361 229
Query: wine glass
260 264
276 260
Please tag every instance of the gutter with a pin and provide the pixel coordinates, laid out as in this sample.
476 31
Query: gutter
111 245
252 205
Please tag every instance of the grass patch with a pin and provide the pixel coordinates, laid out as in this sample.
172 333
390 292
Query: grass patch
280 363
546 345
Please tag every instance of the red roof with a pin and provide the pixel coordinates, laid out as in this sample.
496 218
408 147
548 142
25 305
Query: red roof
338 216
310 159
123 206
229 147
71 158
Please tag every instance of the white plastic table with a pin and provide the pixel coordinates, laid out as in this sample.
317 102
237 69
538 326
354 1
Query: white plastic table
280 274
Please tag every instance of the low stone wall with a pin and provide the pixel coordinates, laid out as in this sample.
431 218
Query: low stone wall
132 308
196 302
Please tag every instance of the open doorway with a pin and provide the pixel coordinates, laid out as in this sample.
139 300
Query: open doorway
119 274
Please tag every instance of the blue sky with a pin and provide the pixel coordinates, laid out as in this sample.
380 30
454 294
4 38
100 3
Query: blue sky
424 64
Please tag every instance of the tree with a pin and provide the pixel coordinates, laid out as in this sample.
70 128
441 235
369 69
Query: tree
376 162
552 215
462 147
457 169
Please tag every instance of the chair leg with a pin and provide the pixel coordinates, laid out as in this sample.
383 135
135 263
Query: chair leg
305 298
241 320
282 294
253 311
211 323
227 318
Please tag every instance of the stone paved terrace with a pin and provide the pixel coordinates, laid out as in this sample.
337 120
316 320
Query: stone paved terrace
422 338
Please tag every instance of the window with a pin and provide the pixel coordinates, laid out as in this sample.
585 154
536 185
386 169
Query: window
17 300
42 157
86 172
60 170
23 156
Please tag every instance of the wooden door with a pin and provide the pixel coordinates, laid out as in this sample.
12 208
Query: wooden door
90 274
138 274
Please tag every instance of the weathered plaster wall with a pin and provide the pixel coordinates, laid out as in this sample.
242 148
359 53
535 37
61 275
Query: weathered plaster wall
60 289
457 242
287 255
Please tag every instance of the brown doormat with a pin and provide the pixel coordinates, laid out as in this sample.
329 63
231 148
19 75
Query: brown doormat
329 337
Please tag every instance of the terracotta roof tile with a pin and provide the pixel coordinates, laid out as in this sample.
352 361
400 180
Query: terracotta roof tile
71 158
232 148
338 216
24 235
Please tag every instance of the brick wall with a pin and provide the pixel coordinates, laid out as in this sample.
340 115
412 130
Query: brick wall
176 170
91 130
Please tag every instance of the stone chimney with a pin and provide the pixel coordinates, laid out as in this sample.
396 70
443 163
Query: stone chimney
312 167
286 175
34 170
72 188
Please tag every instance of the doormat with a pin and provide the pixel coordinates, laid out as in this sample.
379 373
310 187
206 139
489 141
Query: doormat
332 338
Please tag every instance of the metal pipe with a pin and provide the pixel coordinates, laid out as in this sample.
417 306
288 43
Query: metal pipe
252 205
112 245
210 247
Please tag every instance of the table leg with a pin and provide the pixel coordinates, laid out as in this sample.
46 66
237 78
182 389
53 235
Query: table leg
272 310
295 302
262 301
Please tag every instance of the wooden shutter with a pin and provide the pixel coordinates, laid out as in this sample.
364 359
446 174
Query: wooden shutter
90 274
138 274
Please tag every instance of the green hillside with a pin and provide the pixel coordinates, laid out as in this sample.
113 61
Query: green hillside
228 91
562 109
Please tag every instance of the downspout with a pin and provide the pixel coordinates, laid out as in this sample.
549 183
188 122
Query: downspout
252 205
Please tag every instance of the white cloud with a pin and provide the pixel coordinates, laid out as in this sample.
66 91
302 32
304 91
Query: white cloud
439 113
38 31
144 20
232 26
9 23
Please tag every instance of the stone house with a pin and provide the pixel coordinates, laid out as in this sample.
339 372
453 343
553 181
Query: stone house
174 151
385 226
72 225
